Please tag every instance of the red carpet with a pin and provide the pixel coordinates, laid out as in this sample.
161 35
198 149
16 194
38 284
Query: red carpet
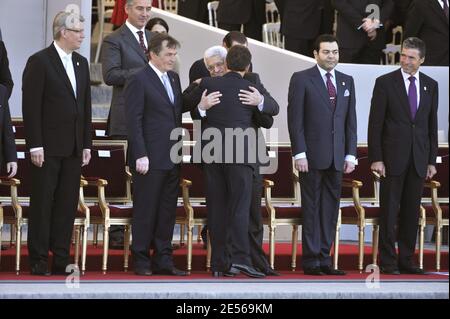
347 260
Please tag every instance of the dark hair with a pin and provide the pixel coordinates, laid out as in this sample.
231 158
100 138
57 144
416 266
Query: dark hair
154 21
415 43
323 38
234 36
239 58
156 42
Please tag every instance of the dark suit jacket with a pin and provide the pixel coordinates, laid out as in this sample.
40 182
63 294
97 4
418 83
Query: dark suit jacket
7 143
302 18
241 11
53 117
427 21
231 113
151 117
326 136
393 134
121 56
350 15
194 9
5 74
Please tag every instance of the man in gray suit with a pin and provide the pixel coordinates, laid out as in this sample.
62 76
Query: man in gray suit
322 128
124 52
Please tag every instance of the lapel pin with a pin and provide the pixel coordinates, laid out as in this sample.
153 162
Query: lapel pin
78 63
343 83
424 88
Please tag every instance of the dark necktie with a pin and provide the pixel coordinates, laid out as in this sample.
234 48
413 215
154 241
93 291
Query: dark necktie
141 41
331 91
445 8
412 97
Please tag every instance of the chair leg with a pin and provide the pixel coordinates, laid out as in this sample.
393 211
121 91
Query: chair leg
84 248
336 246
126 247
375 238
105 248
438 247
421 244
208 253
361 248
18 246
190 230
294 247
272 246
76 237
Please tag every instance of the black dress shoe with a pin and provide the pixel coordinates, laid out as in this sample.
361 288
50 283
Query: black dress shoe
170 272
413 270
270 272
313 271
248 271
327 270
39 269
143 272
389 270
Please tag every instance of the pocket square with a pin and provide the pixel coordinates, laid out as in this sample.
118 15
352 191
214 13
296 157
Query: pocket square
346 93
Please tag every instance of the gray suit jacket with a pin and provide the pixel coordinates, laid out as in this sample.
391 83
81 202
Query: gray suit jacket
326 136
121 57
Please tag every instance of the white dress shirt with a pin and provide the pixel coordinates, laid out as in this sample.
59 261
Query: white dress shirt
134 30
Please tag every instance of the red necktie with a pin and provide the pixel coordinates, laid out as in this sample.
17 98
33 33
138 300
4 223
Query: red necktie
331 91
141 41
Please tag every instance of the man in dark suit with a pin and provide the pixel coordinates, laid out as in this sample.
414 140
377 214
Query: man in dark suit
124 52
303 21
361 38
194 9
229 171
56 108
428 20
232 14
8 153
215 60
403 147
322 128
5 73
154 110
199 69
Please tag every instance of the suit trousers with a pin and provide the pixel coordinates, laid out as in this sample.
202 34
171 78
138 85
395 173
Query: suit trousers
321 191
53 206
228 198
301 46
155 197
400 198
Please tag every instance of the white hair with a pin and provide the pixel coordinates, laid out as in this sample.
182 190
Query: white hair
216 50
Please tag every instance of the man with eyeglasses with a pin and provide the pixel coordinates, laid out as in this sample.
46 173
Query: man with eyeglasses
56 108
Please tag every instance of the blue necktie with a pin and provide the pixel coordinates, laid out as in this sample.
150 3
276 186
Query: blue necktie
412 97
168 87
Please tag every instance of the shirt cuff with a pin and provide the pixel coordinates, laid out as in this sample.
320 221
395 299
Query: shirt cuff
34 149
351 159
201 112
261 105
300 156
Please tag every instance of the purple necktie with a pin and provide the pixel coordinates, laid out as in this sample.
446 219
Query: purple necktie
141 41
412 96
331 91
